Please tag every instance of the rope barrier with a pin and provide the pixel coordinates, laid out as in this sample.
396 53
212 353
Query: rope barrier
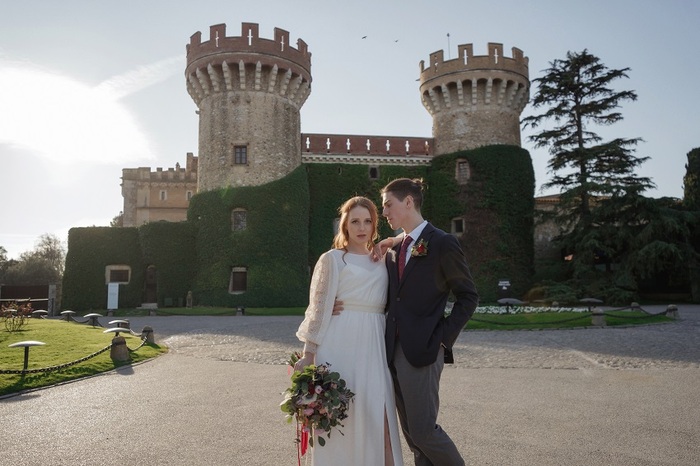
73 363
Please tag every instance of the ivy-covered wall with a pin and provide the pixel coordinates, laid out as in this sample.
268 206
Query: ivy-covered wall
497 204
289 225
90 250
273 247
169 248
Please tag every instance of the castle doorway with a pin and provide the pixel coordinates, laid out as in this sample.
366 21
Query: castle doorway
151 285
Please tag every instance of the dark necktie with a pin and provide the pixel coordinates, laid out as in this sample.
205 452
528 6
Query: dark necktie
402 254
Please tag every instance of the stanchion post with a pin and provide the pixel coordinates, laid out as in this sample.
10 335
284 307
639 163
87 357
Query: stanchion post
119 350
598 319
147 334
672 311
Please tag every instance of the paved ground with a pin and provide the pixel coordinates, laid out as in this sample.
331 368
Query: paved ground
617 396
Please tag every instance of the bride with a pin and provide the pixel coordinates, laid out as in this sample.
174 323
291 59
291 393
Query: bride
353 341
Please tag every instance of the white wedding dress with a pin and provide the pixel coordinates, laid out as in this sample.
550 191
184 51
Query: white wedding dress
353 344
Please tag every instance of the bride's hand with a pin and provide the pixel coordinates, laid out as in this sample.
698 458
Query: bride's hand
381 248
306 360
337 307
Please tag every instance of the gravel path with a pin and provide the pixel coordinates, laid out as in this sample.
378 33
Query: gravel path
618 396
269 340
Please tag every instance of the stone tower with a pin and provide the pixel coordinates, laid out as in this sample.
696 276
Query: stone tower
475 100
249 92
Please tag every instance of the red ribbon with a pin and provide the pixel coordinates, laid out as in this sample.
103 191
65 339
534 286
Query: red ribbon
304 440
303 437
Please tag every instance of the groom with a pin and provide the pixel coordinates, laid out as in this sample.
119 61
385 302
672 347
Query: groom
424 269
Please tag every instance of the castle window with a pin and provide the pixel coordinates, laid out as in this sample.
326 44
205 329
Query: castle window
238 283
458 226
188 195
163 195
239 219
117 274
462 172
240 155
373 173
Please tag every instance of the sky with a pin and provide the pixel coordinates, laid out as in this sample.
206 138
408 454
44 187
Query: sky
89 87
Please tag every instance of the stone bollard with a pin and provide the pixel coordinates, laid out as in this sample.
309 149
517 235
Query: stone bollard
598 319
147 334
119 350
672 311
188 300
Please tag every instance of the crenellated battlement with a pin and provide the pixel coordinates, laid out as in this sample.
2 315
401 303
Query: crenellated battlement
467 61
248 62
249 42
475 100
145 174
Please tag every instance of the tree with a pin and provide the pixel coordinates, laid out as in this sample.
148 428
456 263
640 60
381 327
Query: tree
44 264
31 270
4 263
691 180
118 220
691 201
50 248
588 171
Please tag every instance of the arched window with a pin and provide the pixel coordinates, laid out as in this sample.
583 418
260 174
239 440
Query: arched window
373 173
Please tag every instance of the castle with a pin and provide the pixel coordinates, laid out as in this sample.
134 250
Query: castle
249 92
256 175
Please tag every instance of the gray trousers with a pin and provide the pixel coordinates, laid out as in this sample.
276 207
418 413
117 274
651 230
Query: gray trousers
417 401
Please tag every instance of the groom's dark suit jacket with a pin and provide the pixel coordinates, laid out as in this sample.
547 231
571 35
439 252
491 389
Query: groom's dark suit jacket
416 305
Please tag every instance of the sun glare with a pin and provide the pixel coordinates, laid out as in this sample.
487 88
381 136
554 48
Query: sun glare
64 120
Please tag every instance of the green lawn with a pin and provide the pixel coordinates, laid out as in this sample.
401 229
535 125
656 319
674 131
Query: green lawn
65 342
555 320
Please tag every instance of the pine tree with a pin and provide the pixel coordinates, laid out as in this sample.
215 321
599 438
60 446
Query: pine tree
576 95
691 201
691 180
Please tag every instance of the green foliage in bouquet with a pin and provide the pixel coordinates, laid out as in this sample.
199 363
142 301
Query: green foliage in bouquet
318 399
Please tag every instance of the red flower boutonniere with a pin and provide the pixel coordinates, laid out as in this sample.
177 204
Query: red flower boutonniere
419 249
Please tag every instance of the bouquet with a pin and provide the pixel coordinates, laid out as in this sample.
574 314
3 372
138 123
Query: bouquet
318 399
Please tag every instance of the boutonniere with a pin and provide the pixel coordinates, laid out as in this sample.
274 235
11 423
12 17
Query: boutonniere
419 249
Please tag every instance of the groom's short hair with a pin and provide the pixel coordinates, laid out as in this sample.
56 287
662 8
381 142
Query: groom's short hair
402 187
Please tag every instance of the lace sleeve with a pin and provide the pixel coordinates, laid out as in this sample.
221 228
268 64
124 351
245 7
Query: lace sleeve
324 285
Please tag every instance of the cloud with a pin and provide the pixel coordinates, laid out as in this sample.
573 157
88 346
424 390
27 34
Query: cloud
141 78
